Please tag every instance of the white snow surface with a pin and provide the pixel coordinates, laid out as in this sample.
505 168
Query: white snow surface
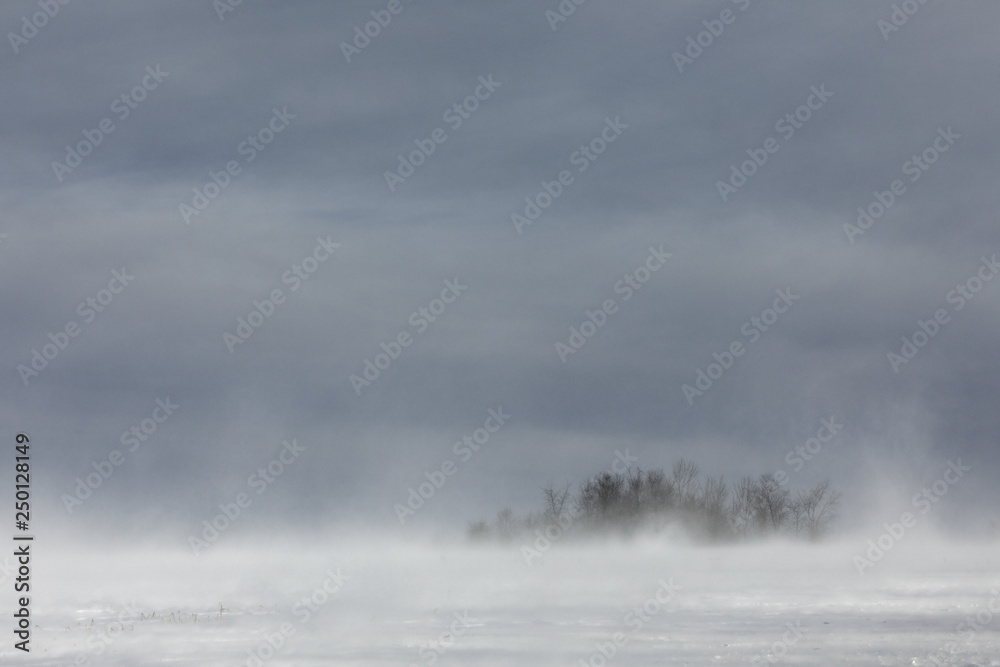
398 601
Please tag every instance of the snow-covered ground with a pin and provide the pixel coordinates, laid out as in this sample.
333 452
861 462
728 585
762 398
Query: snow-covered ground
369 601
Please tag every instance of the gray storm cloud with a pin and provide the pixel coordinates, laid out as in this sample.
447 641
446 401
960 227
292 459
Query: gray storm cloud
308 178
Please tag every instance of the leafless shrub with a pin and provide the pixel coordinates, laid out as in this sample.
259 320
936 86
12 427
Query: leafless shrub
709 509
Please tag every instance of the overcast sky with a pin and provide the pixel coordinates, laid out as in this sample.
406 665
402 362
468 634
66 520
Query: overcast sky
116 115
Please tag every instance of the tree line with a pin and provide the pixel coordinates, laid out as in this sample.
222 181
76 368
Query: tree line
707 509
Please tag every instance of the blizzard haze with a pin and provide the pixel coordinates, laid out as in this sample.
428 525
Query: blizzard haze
299 285
361 599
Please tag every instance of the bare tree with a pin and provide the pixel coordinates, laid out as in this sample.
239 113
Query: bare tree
714 494
772 503
478 530
609 493
634 498
820 508
555 501
505 524
797 514
600 498
685 480
660 492
743 506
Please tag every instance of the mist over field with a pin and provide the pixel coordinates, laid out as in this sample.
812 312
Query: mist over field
540 333
363 598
